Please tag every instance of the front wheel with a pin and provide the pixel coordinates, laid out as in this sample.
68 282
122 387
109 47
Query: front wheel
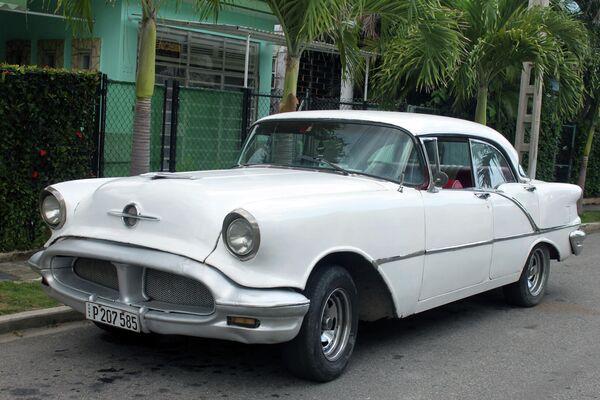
531 286
326 339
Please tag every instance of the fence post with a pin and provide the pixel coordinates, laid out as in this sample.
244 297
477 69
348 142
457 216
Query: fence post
173 133
98 157
246 93
97 108
164 122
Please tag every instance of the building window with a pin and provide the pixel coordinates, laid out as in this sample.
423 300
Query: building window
18 52
204 60
85 54
51 53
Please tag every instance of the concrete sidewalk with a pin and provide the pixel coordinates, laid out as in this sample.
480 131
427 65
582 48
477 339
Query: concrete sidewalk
13 267
17 270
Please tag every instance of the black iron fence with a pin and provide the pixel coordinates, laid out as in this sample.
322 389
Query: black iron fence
194 128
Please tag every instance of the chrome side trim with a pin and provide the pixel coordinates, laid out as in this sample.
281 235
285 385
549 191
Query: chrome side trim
398 258
385 260
459 247
521 207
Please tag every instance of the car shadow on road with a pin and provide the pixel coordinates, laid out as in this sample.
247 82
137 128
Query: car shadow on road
197 362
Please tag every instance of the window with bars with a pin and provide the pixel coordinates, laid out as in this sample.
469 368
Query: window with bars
204 60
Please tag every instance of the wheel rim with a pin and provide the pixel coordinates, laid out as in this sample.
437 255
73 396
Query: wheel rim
336 320
535 273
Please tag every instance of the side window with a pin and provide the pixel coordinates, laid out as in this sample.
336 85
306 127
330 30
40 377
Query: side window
431 151
455 161
491 168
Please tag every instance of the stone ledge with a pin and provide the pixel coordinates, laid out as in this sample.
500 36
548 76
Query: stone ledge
38 318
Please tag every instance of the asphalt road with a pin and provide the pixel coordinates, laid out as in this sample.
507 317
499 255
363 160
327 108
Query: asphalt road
478 348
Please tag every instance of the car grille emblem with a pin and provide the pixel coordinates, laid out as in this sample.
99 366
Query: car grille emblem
131 215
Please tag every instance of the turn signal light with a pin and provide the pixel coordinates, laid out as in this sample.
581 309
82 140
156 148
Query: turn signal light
243 321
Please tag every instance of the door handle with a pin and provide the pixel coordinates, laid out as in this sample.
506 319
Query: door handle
482 196
529 188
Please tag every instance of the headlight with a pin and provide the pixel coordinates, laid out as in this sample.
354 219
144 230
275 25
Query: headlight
52 208
241 234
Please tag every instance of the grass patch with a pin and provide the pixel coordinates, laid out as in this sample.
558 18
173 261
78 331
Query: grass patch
23 296
590 216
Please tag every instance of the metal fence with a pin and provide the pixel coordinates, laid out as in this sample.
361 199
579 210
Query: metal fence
118 129
196 128
192 128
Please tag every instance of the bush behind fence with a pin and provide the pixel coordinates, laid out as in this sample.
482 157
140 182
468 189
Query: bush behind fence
47 125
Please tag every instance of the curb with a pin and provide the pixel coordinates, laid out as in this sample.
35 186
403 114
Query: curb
591 200
38 318
591 227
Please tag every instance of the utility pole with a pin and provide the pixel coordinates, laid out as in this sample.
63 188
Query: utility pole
527 134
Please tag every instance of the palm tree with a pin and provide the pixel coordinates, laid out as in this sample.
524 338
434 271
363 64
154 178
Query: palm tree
340 22
498 35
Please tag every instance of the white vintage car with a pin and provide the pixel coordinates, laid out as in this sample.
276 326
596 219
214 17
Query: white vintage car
329 218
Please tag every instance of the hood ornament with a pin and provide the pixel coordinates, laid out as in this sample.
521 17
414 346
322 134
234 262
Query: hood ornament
131 214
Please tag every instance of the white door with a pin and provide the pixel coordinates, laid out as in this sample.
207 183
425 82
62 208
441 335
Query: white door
458 225
513 205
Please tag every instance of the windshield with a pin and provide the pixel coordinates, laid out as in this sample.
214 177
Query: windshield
360 148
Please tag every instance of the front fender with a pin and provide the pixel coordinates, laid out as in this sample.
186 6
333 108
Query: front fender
296 234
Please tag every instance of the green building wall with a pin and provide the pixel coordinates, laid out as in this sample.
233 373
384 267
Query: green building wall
209 121
117 27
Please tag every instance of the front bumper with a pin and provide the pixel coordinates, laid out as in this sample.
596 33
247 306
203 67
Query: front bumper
280 311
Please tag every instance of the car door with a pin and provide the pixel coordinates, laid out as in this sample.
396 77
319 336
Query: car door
458 222
514 208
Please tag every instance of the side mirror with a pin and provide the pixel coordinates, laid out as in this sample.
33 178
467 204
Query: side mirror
440 179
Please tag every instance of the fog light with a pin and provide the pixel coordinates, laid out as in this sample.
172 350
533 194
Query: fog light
243 321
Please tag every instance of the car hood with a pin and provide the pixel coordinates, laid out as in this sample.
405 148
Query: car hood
184 212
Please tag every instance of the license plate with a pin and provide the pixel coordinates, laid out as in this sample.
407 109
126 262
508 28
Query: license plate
112 316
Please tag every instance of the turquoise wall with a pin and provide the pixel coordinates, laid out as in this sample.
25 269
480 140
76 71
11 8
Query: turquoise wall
34 28
117 27
234 16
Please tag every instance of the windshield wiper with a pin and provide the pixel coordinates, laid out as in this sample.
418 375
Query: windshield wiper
325 161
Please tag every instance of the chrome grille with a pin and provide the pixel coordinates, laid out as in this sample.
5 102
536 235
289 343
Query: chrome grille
99 272
177 289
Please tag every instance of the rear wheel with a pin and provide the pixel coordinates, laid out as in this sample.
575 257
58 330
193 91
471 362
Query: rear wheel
529 290
326 340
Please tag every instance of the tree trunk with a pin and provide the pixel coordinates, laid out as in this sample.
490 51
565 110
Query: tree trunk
289 101
144 89
140 150
481 109
586 154
283 144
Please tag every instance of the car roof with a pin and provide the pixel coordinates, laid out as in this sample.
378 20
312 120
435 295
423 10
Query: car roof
416 124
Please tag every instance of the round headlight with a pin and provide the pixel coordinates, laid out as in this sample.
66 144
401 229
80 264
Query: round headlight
241 234
52 208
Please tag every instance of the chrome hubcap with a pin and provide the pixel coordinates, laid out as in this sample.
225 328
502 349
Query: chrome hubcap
535 273
336 320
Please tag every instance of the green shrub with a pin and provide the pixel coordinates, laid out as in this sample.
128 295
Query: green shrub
46 136
592 181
